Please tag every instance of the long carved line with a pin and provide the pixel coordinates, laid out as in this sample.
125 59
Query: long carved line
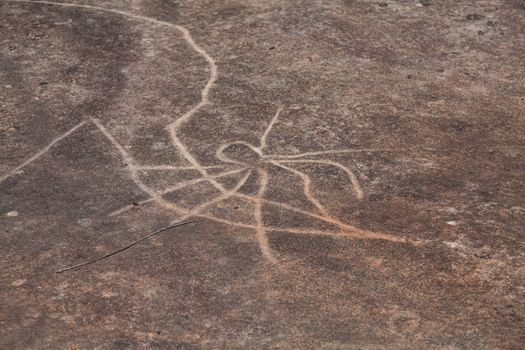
348 229
133 172
264 136
306 186
353 179
223 196
328 152
170 189
41 152
261 230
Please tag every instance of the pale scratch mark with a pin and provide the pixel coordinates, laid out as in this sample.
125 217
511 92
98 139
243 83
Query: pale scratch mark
173 128
353 179
41 152
319 153
269 128
174 188
129 207
175 167
69 21
131 167
225 221
306 186
262 238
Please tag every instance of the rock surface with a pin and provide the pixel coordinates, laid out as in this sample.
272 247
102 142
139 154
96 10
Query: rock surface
354 171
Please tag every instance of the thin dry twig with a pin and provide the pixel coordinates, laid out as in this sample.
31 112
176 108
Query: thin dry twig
124 248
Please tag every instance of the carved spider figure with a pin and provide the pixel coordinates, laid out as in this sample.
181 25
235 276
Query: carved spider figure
254 162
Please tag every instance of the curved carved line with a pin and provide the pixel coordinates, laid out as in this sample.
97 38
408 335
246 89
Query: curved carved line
353 179
170 189
261 229
306 186
348 229
299 230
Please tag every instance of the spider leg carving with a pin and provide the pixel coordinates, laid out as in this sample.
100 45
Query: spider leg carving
360 194
41 152
198 210
262 238
328 152
179 186
348 229
133 170
307 181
